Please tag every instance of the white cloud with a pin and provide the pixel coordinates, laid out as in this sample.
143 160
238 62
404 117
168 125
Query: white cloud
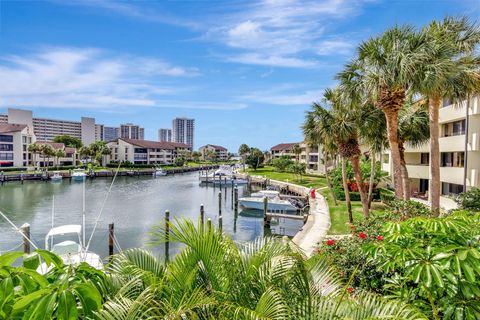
85 78
284 33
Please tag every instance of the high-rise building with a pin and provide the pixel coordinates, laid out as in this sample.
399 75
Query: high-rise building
183 131
47 129
110 133
131 131
165 135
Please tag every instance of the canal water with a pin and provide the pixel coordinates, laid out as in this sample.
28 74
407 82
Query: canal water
134 205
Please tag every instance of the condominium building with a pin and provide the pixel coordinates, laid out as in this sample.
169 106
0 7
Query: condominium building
131 131
310 155
459 154
70 157
221 153
183 131
47 129
144 151
14 142
165 135
110 133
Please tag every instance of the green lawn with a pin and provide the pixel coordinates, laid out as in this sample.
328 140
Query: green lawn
338 214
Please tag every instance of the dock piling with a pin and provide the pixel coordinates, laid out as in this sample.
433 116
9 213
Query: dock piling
167 235
235 200
266 218
111 229
25 229
202 214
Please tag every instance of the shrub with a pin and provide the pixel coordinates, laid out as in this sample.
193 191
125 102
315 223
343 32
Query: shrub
386 196
281 164
469 200
340 195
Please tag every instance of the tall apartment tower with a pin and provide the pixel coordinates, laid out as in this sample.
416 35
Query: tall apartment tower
165 135
110 133
183 131
131 131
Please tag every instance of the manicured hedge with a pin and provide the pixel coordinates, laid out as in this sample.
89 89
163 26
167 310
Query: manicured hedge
354 196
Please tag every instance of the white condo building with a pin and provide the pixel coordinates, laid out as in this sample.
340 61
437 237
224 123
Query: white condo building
183 131
165 135
131 131
459 154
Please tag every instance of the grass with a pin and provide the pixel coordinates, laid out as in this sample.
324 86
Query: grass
338 214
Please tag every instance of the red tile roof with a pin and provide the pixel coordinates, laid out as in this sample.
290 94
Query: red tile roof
156 144
217 148
54 145
11 128
284 146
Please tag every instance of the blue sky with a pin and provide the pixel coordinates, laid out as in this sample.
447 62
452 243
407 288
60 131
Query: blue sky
246 71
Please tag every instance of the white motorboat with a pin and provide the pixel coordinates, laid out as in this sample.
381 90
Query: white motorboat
159 173
70 251
266 193
79 175
222 175
56 176
274 204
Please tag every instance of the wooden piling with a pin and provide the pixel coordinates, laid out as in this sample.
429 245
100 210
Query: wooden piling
266 218
220 223
111 229
220 203
167 236
25 229
202 215
235 200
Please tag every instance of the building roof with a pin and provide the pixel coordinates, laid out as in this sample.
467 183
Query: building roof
217 148
284 146
11 128
70 150
155 144
54 145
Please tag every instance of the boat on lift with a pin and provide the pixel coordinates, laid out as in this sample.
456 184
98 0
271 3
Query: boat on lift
274 203
159 172
266 193
222 175
79 175
56 177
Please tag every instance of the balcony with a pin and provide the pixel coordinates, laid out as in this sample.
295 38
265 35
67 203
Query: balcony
418 171
452 143
452 174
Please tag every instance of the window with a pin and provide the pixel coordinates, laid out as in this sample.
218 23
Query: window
6 156
451 188
6 147
425 158
453 128
386 158
4 138
452 159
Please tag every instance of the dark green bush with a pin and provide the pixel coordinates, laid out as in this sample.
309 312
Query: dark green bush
469 200
386 196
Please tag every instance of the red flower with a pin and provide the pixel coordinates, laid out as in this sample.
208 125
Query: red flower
362 235
352 227
350 290
379 238
330 242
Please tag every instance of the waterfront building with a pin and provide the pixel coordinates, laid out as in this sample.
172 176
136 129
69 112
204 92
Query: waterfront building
144 151
310 155
459 154
110 133
14 142
183 131
221 153
47 129
165 135
131 131
71 156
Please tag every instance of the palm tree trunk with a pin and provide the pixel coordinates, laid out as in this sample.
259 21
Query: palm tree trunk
329 182
373 171
392 132
361 187
405 179
433 108
345 189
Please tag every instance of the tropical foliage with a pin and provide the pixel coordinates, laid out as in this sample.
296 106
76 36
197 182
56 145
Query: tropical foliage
470 200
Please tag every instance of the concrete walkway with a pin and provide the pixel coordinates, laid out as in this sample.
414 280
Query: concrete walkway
318 222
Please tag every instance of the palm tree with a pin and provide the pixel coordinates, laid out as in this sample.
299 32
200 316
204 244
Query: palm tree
34 149
243 151
215 278
59 154
297 150
316 132
383 72
451 71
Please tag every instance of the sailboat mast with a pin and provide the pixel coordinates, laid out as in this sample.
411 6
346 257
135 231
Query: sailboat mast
83 213
53 219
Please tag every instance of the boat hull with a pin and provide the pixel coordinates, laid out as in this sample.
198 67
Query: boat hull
272 206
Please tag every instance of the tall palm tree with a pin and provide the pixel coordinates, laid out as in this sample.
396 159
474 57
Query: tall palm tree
451 71
383 72
59 154
216 278
243 151
316 133
34 149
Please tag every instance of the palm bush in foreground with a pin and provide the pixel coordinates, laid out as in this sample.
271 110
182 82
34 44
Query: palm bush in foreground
211 278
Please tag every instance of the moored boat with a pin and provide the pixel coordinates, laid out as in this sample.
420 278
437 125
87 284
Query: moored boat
79 175
273 204
56 176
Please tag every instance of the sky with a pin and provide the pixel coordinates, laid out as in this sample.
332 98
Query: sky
247 71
